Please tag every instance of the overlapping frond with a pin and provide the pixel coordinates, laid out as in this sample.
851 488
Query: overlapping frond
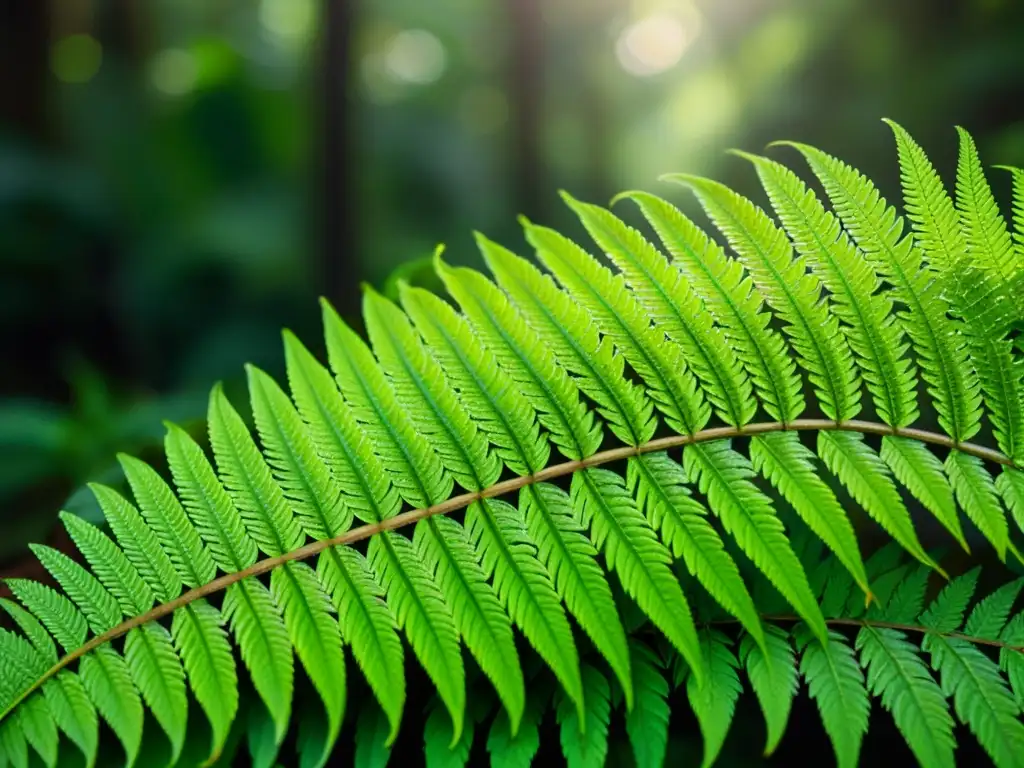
684 548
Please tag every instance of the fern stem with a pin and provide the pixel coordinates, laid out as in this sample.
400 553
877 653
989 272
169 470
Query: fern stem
509 486
871 623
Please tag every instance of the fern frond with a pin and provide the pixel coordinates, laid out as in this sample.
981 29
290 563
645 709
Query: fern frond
620 317
563 548
588 358
784 460
773 676
724 476
503 414
713 694
531 365
875 338
672 306
795 293
896 674
867 479
573 336
941 233
659 485
988 239
735 303
586 744
877 230
836 683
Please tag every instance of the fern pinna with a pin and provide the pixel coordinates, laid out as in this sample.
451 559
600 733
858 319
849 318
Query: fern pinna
666 449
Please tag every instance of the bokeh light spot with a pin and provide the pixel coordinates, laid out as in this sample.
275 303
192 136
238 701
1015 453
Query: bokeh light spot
76 58
289 19
655 43
173 71
415 56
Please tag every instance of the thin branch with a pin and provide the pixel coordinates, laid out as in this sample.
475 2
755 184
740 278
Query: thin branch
500 489
888 625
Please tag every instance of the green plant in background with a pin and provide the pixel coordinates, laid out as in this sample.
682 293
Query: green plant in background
615 534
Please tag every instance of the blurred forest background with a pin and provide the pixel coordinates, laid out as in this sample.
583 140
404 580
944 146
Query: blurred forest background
181 178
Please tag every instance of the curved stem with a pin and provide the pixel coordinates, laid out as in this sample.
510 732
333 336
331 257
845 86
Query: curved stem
887 625
499 489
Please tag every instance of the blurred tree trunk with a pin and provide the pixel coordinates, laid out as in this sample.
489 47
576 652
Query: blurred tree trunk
338 248
526 89
24 60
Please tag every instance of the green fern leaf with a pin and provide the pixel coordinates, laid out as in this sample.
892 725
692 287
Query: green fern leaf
60 617
658 483
64 694
571 333
103 673
868 480
732 299
876 340
946 613
585 745
108 682
325 510
412 464
836 683
424 392
988 240
922 473
259 630
519 751
316 637
976 491
773 676
897 675
878 231
39 729
500 327
420 610
554 525
724 476
111 567
74 713
165 516
1018 208
620 317
339 440
1010 485
157 673
989 616
440 749
13 743
980 697
372 738
449 557
647 721
208 504
248 481
662 291
368 627
524 586
714 700
319 503
139 542
947 242
765 251
633 551
503 414
202 644
784 460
